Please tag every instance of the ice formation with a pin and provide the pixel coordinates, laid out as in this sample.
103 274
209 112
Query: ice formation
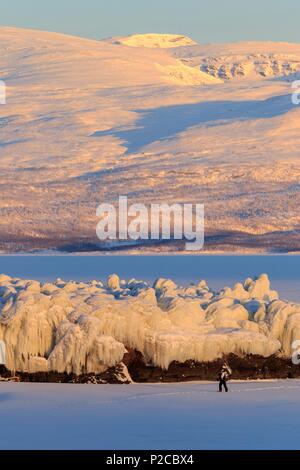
86 327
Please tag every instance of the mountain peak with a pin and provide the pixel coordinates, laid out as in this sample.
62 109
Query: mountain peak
155 40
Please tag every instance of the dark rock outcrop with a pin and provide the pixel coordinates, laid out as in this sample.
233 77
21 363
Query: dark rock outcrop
243 368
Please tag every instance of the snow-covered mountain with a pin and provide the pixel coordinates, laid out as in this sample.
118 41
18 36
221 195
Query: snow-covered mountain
252 60
156 117
87 327
154 40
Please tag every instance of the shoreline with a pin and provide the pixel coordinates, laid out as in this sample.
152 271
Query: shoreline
134 369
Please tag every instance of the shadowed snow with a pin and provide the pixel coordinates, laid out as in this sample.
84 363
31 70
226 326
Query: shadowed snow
162 416
165 122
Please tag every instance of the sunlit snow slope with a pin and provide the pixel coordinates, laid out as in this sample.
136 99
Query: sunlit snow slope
87 121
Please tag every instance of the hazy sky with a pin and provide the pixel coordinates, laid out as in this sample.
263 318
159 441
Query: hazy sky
203 20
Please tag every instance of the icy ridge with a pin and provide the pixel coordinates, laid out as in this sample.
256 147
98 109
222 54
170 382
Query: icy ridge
85 327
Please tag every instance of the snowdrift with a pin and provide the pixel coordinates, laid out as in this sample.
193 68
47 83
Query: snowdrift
81 328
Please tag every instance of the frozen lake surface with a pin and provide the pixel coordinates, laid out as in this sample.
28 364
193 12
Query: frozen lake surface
254 415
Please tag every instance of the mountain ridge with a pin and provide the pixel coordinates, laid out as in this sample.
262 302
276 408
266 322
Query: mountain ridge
87 121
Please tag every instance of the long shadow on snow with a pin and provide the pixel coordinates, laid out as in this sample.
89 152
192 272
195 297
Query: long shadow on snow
161 123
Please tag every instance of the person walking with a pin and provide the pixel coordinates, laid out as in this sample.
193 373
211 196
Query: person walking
224 375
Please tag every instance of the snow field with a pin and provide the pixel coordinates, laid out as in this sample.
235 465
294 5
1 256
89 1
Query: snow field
260 415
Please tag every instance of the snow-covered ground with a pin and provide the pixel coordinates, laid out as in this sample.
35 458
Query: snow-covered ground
254 415
87 121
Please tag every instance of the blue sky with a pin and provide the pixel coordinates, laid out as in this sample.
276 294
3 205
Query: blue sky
203 20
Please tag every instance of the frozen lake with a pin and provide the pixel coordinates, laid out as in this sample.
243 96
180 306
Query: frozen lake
218 270
254 415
